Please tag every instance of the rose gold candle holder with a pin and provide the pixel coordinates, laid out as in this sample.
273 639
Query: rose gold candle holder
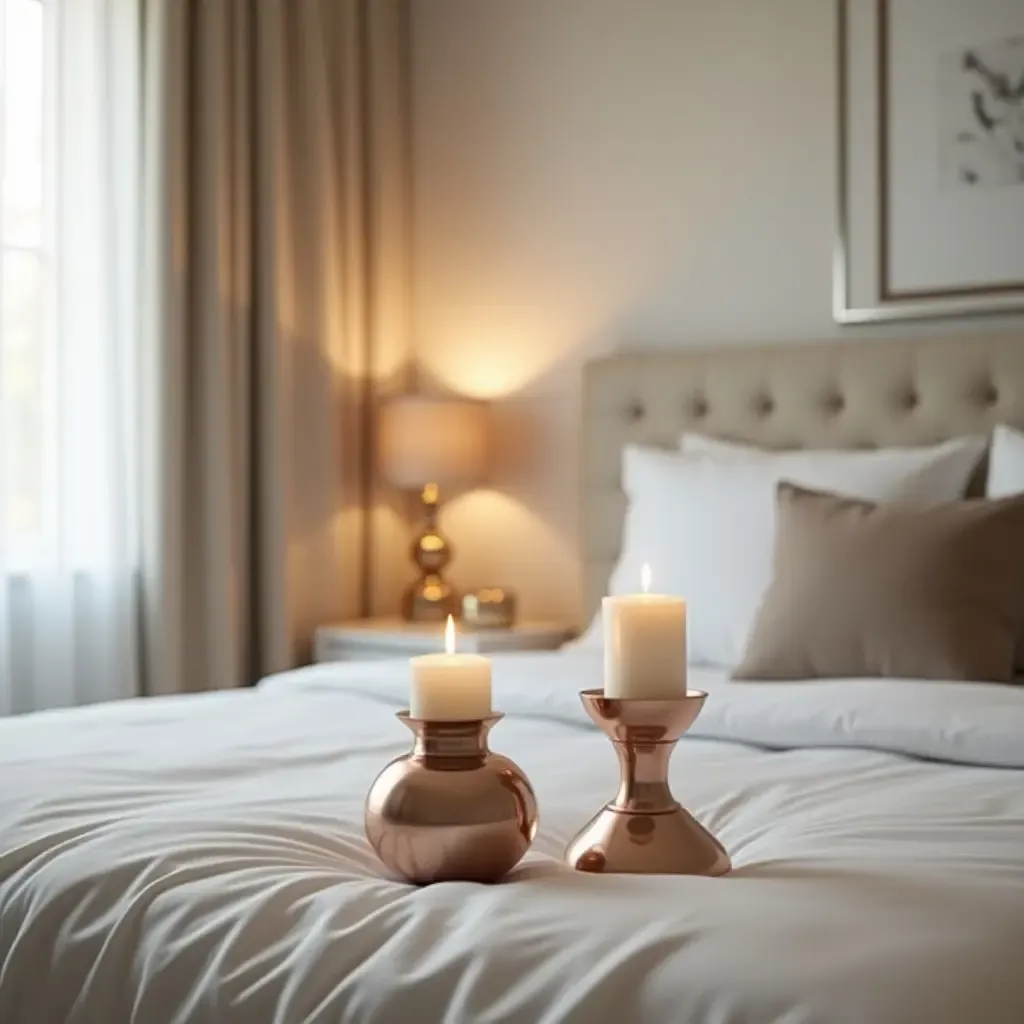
450 810
643 830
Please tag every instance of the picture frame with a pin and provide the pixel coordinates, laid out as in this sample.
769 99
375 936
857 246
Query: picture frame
930 183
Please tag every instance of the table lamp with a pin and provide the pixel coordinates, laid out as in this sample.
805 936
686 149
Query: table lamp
425 444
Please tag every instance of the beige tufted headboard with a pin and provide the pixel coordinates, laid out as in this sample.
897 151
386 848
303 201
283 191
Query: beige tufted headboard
844 394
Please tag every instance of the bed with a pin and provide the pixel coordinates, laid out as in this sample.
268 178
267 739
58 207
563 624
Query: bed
201 858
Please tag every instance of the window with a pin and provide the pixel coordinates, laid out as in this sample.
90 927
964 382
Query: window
69 332
24 366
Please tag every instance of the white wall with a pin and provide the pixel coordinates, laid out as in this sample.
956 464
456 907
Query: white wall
598 174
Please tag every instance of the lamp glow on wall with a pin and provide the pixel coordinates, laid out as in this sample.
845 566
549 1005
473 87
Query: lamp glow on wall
425 444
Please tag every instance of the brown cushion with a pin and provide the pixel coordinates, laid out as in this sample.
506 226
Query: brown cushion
896 589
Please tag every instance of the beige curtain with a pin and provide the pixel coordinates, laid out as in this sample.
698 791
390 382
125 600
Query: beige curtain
274 155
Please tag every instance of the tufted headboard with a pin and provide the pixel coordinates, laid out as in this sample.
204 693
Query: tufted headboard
842 394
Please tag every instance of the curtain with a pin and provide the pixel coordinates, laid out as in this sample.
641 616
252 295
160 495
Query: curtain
69 551
273 291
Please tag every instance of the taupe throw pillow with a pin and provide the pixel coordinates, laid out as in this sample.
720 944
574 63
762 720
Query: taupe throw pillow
924 592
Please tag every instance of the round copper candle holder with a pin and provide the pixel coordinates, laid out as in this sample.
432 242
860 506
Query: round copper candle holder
450 810
644 830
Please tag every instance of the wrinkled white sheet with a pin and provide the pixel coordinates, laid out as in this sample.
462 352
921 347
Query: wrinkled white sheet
199 859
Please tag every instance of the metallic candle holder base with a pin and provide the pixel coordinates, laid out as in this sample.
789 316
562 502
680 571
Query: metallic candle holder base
450 810
643 830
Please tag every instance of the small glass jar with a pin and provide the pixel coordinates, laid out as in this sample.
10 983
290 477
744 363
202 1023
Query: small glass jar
489 608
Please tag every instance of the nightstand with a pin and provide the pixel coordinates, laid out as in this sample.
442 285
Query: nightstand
375 639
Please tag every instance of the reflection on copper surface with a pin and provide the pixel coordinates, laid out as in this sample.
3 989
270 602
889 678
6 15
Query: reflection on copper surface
451 810
644 830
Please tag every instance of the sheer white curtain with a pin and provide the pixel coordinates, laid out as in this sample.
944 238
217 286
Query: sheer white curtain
68 506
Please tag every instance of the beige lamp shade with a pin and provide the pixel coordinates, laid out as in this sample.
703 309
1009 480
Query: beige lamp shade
433 441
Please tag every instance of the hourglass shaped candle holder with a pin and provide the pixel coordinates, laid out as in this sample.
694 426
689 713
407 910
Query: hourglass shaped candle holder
643 830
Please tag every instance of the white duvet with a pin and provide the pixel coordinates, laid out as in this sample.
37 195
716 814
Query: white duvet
201 859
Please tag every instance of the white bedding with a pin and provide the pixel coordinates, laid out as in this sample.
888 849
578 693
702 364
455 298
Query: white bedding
202 859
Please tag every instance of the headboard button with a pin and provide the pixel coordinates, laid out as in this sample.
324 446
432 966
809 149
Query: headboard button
635 411
990 394
910 400
834 403
699 407
764 405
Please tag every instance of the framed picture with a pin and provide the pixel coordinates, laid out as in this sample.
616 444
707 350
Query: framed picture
931 159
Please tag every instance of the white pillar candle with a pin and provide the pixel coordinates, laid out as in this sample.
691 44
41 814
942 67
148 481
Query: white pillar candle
450 687
644 645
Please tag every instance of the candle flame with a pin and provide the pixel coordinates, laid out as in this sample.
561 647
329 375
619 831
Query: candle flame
449 636
645 577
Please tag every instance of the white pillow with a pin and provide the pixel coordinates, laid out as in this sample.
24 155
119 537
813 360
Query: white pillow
719 450
1005 478
1005 463
707 528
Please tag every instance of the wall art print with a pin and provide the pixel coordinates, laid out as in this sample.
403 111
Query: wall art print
931 159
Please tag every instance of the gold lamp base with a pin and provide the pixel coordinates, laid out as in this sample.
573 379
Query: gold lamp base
431 598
